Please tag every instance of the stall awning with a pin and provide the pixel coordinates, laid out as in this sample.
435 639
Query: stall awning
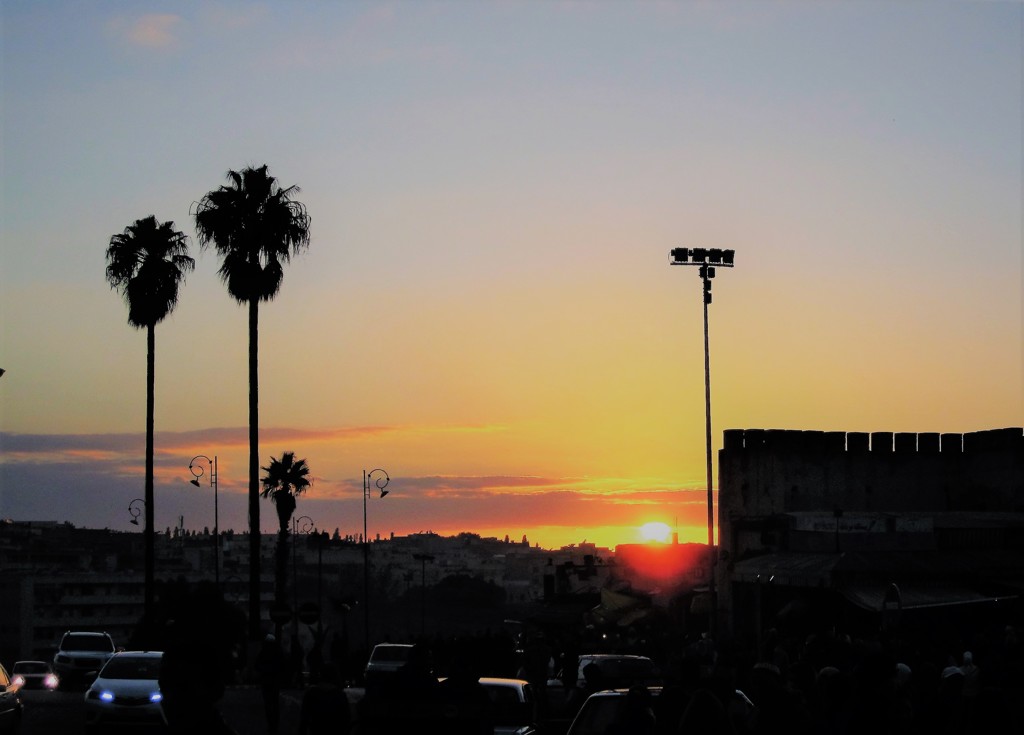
872 596
787 568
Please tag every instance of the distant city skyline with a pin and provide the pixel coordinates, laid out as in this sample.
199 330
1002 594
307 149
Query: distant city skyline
486 308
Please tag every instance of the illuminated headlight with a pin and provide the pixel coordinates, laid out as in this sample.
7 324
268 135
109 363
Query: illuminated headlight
155 697
18 680
51 681
106 696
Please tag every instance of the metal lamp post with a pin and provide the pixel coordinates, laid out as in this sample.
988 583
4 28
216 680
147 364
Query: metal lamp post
707 260
135 508
423 559
197 470
381 482
302 524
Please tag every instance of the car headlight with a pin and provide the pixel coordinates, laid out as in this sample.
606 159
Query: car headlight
18 680
156 697
51 681
106 696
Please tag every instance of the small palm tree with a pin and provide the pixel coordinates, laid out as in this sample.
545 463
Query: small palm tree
147 263
256 226
286 479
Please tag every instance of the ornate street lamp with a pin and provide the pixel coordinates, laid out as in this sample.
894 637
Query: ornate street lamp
302 524
381 482
135 508
198 471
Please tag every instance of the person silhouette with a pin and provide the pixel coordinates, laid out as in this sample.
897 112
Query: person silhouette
196 665
270 665
325 707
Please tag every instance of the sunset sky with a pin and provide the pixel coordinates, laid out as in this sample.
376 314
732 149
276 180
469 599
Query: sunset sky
486 308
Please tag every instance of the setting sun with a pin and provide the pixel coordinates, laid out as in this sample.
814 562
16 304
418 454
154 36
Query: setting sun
655 531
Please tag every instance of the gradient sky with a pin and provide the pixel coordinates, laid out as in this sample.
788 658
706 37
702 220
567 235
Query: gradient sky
486 308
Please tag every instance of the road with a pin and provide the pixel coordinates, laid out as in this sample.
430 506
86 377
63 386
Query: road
63 712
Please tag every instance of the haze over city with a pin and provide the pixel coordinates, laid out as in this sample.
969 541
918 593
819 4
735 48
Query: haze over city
486 308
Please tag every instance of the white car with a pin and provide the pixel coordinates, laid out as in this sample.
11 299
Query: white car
514 705
126 691
81 655
385 661
33 675
619 670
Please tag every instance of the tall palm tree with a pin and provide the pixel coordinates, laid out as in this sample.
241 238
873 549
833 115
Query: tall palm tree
147 263
255 226
286 480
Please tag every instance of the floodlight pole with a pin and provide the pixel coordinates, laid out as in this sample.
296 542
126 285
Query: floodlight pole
707 260
707 408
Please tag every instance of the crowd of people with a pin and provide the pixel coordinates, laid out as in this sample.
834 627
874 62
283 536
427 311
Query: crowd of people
904 681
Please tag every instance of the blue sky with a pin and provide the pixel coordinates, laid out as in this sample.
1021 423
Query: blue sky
494 188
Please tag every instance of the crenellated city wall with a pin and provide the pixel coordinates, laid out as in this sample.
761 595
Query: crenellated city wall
763 472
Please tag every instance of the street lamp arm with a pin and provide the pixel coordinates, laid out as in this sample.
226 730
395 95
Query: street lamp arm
198 471
381 482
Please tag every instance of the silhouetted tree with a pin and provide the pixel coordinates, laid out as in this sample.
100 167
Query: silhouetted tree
147 264
286 479
255 226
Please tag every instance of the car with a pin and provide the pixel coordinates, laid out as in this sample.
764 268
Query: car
34 675
641 710
81 655
126 692
10 703
385 660
515 706
610 711
618 670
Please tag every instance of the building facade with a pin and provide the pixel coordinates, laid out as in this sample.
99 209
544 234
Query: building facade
887 523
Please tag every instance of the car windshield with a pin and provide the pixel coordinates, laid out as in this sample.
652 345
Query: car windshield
390 653
598 715
131 667
75 642
628 668
31 667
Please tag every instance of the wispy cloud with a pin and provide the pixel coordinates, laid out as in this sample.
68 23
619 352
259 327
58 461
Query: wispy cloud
45 446
155 31
234 17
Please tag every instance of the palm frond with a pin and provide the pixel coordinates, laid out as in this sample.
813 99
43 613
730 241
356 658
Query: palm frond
147 263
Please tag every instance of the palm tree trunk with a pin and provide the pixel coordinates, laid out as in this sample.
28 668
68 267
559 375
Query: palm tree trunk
148 537
254 472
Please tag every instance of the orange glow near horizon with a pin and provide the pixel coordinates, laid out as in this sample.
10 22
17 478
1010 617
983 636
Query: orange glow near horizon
555 537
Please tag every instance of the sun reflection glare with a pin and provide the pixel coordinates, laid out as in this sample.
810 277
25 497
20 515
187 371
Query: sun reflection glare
655 531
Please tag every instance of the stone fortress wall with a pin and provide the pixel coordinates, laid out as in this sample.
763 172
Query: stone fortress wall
764 472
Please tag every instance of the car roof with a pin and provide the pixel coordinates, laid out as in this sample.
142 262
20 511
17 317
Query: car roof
654 691
139 654
502 681
604 656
